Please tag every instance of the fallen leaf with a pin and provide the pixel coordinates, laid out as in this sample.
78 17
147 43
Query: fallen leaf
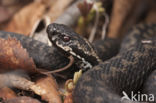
9 7
24 20
16 79
4 15
14 57
6 93
45 86
22 99
58 8
48 90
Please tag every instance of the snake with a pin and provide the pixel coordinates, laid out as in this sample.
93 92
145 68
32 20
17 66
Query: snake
50 58
105 81
105 77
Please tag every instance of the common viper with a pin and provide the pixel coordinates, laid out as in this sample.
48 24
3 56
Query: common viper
50 58
105 82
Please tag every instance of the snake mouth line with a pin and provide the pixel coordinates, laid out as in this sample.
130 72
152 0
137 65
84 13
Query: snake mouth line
84 64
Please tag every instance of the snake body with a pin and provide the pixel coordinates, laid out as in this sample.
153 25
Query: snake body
127 71
105 82
50 58
43 55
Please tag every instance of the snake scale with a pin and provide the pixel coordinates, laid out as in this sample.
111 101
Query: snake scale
105 81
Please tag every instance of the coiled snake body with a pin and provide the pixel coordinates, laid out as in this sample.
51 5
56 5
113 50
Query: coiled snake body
104 82
127 71
50 58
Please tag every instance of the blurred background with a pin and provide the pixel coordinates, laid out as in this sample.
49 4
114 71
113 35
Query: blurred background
90 18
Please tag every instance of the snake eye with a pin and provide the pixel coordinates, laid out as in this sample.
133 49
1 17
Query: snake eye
66 38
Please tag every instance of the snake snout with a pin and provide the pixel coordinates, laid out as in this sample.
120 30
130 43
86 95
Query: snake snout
51 29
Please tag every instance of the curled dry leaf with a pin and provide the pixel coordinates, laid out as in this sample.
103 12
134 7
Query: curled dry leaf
46 87
6 93
58 8
14 57
70 85
48 90
24 20
22 99
15 79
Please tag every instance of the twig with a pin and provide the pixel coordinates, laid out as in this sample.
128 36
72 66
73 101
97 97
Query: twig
61 69
71 14
15 80
60 75
105 25
92 34
20 82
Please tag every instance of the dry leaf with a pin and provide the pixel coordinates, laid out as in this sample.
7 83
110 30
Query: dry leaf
9 7
14 2
24 20
13 57
4 15
46 86
22 99
6 93
16 79
49 89
58 8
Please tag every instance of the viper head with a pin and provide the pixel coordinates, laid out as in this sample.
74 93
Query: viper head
72 43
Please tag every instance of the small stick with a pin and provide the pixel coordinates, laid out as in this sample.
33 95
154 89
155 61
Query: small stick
15 80
105 25
61 69
92 34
